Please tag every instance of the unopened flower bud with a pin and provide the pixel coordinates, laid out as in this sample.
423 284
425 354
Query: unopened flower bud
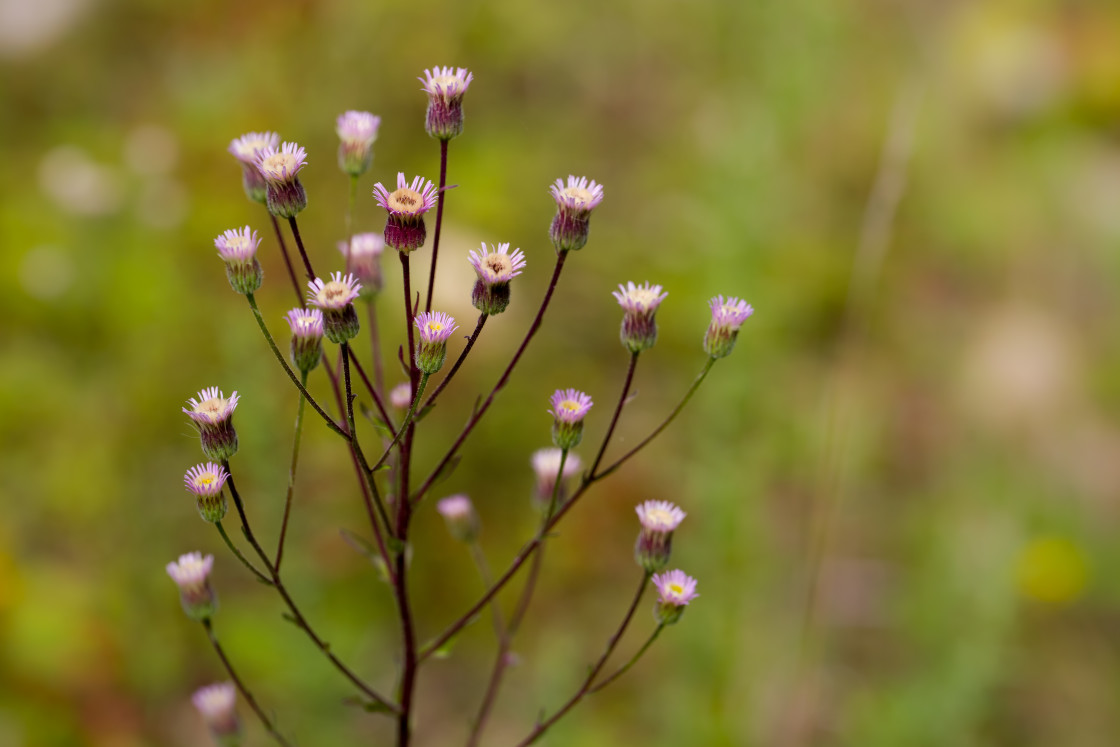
546 467
655 542
307 337
280 169
246 149
191 573
727 316
206 482
639 302
445 87
495 269
212 413
217 704
569 408
675 590
363 259
400 396
406 205
336 299
574 204
431 349
356 133
459 513
238 249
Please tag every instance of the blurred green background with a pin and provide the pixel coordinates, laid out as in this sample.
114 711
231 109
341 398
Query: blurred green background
903 487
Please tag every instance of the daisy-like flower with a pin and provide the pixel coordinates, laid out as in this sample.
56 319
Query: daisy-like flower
431 349
569 408
246 149
206 482
495 269
336 298
217 704
212 413
639 302
574 203
459 513
400 396
363 258
727 316
280 169
356 133
655 542
445 87
546 467
406 205
191 573
238 249
307 337
675 589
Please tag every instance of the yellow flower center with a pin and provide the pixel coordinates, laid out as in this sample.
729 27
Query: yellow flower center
676 588
659 516
435 327
569 405
213 406
331 293
406 200
278 164
444 81
498 263
580 196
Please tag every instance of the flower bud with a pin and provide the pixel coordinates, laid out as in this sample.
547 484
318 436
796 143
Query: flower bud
445 88
363 259
307 337
206 482
655 542
495 269
246 149
191 573
574 204
336 299
400 396
546 466
356 133
286 196
431 349
569 408
727 316
639 302
462 521
675 590
238 249
217 704
406 205
212 413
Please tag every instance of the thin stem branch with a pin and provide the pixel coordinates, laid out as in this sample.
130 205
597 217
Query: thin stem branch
406 423
287 260
302 252
439 221
246 529
458 361
487 580
633 660
380 506
617 412
388 421
291 478
244 561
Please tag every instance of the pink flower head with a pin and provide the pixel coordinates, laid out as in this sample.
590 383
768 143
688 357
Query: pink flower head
211 407
363 258
191 571
305 323
435 326
729 313
400 396
279 167
675 588
250 145
639 299
238 245
445 87
462 521
655 542
497 266
308 327
408 200
640 302
546 467
569 405
660 516
217 704
579 197
446 83
357 128
206 480
335 294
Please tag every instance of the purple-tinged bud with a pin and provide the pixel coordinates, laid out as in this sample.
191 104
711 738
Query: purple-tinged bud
445 87
400 396
546 466
431 349
574 204
206 482
217 704
212 413
363 259
356 133
246 149
191 573
238 249
280 169
406 205
462 521
495 269
307 337
675 590
336 299
569 408
640 302
655 542
727 316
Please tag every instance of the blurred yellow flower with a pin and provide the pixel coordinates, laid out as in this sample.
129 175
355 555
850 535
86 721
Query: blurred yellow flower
1052 570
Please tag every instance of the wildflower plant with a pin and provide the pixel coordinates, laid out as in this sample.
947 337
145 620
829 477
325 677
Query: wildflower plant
395 487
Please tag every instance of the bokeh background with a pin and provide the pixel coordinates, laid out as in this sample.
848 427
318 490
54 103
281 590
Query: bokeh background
903 488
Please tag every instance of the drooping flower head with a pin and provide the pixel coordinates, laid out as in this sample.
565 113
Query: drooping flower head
727 316
191 573
212 413
459 513
356 133
238 249
659 520
307 327
569 408
639 303
445 87
336 298
406 205
246 149
363 258
431 349
675 589
280 169
546 467
574 203
206 482
217 704
400 396
495 269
